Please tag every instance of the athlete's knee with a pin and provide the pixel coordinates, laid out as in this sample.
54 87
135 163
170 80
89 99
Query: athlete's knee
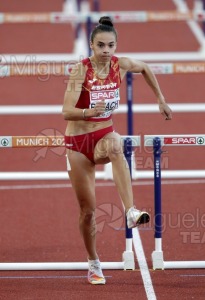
114 150
87 216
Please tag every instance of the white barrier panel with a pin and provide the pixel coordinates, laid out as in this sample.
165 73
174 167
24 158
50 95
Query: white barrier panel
48 141
136 108
63 69
117 16
58 141
175 174
42 58
177 140
128 261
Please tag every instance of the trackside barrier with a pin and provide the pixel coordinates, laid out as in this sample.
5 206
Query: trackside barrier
57 141
123 108
46 68
129 144
117 16
128 263
157 142
41 58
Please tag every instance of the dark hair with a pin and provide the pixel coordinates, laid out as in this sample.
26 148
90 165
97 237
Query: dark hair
105 25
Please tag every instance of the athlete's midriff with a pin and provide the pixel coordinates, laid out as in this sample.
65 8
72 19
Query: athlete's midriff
82 127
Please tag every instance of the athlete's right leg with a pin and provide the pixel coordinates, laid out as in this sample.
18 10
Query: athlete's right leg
82 176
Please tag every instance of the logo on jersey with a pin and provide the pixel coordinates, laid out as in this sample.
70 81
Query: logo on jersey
111 98
104 86
91 81
103 95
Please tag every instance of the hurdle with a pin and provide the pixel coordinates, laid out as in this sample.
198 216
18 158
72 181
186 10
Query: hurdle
117 16
127 263
35 68
157 142
58 141
136 108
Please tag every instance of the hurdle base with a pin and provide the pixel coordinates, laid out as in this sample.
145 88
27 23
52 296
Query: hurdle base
128 259
157 260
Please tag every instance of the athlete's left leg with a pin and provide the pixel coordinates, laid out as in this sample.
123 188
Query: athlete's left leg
109 149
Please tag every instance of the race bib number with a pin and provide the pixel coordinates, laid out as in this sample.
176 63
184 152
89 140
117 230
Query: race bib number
111 97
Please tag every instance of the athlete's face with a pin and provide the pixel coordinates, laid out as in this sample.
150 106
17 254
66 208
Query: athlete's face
104 46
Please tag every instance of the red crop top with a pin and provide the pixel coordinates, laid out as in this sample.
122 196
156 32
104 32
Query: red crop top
95 89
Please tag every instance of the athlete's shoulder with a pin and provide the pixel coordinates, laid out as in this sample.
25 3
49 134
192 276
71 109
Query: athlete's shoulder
125 63
86 61
131 65
78 70
115 58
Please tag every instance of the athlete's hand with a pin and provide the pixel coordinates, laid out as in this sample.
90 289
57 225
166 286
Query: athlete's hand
165 110
99 108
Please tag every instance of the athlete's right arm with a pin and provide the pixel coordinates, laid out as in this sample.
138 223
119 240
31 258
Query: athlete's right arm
72 94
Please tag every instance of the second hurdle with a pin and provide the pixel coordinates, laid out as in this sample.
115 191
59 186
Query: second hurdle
157 142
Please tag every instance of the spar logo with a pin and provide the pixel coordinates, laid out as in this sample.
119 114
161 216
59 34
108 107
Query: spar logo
111 95
200 141
186 140
4 142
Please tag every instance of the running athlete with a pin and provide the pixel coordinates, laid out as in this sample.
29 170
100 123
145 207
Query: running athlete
92 94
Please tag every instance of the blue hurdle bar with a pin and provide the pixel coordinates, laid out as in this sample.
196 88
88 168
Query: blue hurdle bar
128 156
128 255
129 104
157 187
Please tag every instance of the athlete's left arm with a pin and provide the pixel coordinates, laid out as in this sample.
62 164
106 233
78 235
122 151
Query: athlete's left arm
135 66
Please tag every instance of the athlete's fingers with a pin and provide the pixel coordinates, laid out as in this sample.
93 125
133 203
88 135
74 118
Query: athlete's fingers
165 111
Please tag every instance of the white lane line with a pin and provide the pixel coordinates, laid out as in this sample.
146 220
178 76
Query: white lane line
98 184
143 265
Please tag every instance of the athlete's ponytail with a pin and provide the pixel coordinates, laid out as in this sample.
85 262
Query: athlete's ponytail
105 25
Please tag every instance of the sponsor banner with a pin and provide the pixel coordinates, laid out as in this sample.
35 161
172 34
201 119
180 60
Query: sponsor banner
140 16
177 140
169 16
129 16
65 18
189 67
27 17
162 68
184 140
40 69
37 141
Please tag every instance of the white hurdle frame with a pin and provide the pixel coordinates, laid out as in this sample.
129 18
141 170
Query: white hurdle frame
157 254
37 142
136 108
127 263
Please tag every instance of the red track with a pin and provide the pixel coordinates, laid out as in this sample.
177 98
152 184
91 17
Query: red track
40 224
